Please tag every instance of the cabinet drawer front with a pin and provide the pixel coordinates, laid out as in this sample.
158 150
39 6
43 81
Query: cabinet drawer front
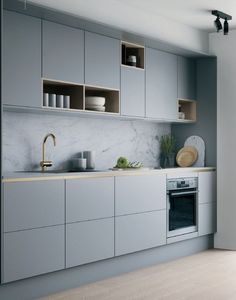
88 199
134 194
33 204
207 187
132 92
89 241
207 218
140 231
33 252
63 52
102 61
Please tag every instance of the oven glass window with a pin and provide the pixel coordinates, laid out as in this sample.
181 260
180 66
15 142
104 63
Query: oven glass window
182 212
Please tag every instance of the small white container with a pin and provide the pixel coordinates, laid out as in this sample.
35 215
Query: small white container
52 100
45 99
79 163
60 101
66 101
90 156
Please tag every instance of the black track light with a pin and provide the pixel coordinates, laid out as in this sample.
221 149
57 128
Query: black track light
220 15
226 27
218 24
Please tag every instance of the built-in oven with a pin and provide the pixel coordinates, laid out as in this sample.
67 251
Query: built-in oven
182 203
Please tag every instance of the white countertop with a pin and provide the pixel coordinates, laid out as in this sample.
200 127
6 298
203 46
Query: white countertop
34 176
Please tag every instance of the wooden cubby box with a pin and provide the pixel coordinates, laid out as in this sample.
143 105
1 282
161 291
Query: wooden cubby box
112 104
129 49
189 108
76 92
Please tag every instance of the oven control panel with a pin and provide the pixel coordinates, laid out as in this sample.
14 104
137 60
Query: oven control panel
182 183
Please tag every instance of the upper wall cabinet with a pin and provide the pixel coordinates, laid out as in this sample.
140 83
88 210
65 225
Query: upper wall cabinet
186 78
132 92
21 79
63 53
161 85
102 61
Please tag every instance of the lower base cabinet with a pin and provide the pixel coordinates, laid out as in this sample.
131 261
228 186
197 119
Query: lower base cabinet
207 218
139 231
89 241
33 252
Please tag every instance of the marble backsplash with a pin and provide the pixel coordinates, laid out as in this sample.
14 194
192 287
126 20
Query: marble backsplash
23 134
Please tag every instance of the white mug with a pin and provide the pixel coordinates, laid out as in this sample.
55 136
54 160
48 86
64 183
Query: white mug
66 101
45 99
60 101
52 100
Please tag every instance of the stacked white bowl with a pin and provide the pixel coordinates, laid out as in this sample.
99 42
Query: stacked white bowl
95 103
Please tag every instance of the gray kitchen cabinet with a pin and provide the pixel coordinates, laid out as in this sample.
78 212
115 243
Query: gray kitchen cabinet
135 194
21 63
89 241
32 252
186 78
63 52
132 92
207 218
88 199
102 61
207 187
161 85
207 202
33 204
139 231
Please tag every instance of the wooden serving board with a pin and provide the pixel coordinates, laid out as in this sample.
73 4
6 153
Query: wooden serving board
131 169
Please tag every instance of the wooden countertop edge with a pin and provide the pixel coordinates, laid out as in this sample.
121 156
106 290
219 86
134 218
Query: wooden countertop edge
105 174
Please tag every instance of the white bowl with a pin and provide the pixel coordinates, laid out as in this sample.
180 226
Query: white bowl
93 100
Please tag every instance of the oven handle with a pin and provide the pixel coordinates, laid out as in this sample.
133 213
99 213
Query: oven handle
183 193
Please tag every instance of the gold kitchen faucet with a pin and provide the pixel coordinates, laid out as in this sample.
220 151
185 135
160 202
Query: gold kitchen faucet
46 163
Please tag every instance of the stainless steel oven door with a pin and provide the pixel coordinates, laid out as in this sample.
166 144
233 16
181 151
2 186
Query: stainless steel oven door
182 212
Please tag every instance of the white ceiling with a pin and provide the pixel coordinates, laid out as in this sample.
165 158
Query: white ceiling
194 13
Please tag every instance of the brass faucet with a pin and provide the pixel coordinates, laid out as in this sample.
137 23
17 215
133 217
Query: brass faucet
46 163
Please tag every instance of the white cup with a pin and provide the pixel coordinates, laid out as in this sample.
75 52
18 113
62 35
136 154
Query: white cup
90 156
79 163
45 99
66 101
52 100
60 100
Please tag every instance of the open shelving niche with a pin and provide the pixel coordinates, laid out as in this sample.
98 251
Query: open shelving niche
78 93
128 49
189 108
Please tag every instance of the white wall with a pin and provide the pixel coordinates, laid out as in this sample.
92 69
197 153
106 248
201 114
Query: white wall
225 49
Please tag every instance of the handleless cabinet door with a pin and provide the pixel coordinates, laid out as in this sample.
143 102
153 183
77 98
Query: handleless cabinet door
102 61
135 194
21 76
207 187
88 199
33 204
63 52
89 241
161 85
186 78
32 252
132 92
207 218
140 231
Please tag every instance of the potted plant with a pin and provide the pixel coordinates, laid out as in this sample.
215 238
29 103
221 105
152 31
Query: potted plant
167 147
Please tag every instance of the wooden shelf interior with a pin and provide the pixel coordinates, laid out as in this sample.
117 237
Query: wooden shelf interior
189 108
112 104
129 49
76 92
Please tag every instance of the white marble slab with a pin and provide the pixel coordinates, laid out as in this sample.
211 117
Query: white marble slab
23 134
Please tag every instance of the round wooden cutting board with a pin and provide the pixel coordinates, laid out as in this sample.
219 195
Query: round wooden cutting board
187 156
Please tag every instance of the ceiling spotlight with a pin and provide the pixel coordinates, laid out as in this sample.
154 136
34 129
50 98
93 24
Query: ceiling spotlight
218 24
220 15
226 27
